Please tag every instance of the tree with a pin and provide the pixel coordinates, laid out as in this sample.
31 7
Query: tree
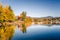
6 14
23 16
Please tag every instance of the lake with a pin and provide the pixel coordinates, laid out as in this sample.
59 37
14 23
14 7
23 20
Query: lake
35 32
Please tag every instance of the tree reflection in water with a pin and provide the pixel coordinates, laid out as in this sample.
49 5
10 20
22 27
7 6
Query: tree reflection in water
6 32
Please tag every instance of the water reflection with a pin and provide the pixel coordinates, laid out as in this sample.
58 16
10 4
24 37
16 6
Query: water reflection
41 32
22 28
6 32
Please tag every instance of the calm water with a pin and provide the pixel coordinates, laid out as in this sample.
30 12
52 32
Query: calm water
35 32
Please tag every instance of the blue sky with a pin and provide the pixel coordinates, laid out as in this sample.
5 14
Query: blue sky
34 8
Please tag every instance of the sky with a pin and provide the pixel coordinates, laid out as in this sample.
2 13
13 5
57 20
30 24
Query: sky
34 8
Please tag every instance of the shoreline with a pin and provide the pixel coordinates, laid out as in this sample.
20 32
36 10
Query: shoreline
11 23
21 22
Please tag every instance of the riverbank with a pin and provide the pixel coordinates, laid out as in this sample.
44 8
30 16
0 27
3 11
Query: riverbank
12 23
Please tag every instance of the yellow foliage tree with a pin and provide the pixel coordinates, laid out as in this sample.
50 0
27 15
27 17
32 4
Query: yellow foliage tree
28 21
6 14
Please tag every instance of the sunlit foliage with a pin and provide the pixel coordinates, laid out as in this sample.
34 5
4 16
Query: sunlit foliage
6 14
27 21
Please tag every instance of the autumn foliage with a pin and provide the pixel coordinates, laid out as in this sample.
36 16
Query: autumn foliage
6 14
